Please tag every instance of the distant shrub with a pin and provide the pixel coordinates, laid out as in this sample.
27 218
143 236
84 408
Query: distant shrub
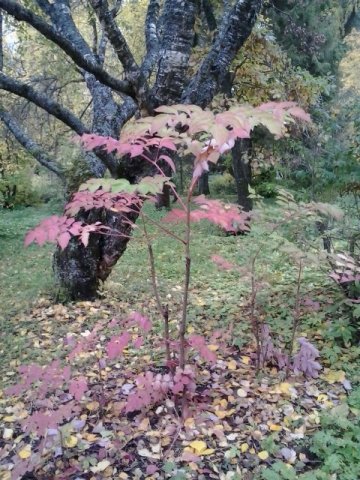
17 190
222 184
26 189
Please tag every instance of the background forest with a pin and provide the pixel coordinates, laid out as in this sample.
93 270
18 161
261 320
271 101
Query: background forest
169 334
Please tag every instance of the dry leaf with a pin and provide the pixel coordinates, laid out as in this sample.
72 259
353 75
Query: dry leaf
100 467
8 433
263 455
244 447
334 376
25 452
92 406
71 441
275 428
241 393
232 365
200 448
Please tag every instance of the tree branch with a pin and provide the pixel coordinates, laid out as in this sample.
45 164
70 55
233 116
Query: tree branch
23 14
177 39
233 32
29 144
152 42
42 101
116 38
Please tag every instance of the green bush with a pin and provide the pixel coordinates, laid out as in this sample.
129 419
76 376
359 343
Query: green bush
17 190
26 189
222 184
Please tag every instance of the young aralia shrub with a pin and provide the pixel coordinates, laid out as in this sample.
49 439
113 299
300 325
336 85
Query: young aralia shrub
206 136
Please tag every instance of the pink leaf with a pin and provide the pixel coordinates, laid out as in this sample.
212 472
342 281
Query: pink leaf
141 320
169 161
138 342
299 113
222 263
151 469
117 344
78 387
63 240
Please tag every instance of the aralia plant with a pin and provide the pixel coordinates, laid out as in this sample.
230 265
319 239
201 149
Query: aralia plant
204 134
180 127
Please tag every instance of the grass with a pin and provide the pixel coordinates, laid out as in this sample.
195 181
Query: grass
32 330
25 273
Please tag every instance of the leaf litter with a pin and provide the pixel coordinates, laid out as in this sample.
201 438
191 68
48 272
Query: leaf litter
239 421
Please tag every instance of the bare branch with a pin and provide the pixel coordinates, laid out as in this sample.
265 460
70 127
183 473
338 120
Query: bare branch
23 14
152 41
29 144
42 101
116 38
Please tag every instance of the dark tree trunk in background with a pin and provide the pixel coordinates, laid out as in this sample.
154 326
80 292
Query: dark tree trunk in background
203 185
169 37
242 172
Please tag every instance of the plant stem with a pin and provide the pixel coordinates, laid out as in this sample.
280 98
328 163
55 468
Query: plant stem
296 318
182 353
164 310
254 321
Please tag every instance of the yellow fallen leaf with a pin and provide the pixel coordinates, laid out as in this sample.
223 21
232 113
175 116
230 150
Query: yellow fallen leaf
263 455
10 418
275 428
90 437
245 359
322 397
224 413
92 406
232 365
190 329
208 451
198 446
213 348
189 422
334 376
285 388
70 441
244 447
25 452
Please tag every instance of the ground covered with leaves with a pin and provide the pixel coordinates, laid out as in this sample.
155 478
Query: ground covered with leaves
240 423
